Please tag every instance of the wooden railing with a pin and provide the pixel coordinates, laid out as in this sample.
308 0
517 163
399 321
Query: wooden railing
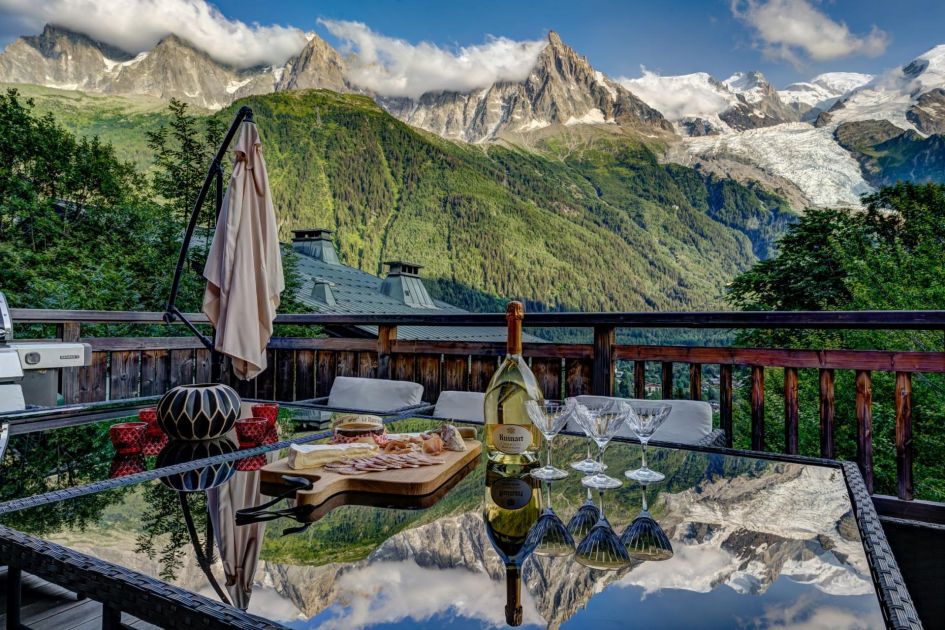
302 368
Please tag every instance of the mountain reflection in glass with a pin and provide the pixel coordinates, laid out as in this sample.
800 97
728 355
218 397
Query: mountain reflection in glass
548 536
644 539
601 548
585 518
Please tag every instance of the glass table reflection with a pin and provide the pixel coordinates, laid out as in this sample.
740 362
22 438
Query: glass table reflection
754 542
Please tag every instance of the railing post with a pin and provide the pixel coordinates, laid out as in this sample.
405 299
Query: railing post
695 381
757 408
386 335
864 426
639 379
602 380
904 435
725 402
666 380
69 377
791 412
827 413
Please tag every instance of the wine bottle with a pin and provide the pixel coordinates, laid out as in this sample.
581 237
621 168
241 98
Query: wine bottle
511 438
511 509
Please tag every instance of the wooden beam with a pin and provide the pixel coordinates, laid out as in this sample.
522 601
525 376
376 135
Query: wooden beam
695 381
602 383
666 380
827 414
904 435
864 426
639 379
725 402
386 335
757 408
791 411
824 320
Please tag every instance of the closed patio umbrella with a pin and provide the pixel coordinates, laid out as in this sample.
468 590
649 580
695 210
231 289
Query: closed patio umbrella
239 545
244 268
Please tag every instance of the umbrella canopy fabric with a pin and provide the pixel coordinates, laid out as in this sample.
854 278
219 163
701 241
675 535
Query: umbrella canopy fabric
239 545
244 268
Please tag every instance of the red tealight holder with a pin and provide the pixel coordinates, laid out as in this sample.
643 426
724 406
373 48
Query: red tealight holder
269 411
272 435
153 444
124 465
251 431
149 415
128 437
248 464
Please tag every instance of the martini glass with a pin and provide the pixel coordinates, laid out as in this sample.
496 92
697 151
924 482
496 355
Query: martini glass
644 420
602 422
644 539
601 549
549 416
548 536
588 465
585 518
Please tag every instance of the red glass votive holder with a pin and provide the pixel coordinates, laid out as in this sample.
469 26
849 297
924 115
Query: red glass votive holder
153 444
249 464
269 411
251 431
272 435
124 465
149 416
128 437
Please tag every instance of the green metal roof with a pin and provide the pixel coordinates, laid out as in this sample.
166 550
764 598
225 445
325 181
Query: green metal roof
355 291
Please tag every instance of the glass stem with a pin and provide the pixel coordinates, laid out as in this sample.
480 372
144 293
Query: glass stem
548 464
645 509
589 450
600 459
600 492
644 455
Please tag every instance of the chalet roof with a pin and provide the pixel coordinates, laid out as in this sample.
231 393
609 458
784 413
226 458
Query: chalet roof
355 291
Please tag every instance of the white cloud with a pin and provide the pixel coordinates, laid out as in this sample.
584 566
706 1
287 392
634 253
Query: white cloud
394 67
678 97
796 31
137 25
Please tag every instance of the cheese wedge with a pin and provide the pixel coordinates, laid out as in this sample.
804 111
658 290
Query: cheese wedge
315 455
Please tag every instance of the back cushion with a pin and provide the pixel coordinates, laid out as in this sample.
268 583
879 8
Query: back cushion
373 394
460 406
688 422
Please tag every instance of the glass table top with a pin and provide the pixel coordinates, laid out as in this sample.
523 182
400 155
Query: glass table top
39 459
755 543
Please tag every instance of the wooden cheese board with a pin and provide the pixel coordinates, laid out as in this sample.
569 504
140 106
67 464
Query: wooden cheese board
403 482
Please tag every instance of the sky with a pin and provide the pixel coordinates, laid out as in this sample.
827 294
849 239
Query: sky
422 43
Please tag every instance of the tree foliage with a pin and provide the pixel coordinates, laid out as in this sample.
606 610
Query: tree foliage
889 256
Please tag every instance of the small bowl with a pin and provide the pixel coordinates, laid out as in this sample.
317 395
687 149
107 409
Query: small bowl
269 411
251 431
149 416
128 437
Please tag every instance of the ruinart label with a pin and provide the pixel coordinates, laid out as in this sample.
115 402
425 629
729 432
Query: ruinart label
511 494
511 439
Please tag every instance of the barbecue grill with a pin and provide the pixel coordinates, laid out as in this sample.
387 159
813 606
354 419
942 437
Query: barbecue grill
29 370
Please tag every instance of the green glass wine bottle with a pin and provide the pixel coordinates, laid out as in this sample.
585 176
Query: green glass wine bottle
511 438
512 506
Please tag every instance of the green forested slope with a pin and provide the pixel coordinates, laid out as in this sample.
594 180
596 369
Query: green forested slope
604 226
596 225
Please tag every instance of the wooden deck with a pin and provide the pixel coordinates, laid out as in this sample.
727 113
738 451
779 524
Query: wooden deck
47 606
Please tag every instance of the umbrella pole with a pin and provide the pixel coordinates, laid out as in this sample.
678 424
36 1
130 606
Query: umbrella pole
215 172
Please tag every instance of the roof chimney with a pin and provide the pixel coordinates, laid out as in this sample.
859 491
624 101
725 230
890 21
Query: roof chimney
322 291
315 243
403 284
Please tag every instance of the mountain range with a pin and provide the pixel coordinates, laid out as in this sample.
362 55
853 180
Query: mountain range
742 127
738 127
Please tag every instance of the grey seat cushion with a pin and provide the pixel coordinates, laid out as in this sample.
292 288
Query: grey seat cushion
460 406
688 422
373 394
